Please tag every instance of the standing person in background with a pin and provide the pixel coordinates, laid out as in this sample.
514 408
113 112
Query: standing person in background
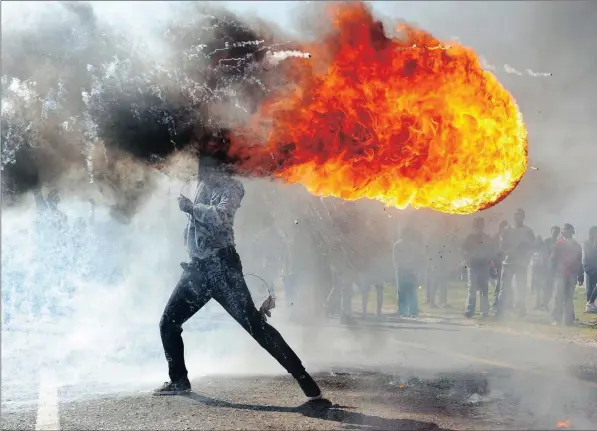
478 251
517 245
497 261
590 267
548 286
567 262
408 257
539 269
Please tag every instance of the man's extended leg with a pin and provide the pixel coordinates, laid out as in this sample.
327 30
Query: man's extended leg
235 298
187 298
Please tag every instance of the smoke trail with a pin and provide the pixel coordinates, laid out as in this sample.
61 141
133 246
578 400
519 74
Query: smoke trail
84 103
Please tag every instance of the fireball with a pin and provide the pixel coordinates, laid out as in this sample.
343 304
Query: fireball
409 121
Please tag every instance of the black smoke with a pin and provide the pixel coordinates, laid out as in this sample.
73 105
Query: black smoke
81 99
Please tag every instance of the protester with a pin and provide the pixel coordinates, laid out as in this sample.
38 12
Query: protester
590 267
517 245
215 271
478 251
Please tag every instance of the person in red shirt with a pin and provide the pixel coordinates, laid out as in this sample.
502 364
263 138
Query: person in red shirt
566 260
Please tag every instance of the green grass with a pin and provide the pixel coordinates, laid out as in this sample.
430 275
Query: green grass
539 321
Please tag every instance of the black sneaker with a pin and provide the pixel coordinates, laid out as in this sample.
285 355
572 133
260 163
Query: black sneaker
174 388
309 387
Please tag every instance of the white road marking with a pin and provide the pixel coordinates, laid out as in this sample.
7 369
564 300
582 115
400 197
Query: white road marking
47 405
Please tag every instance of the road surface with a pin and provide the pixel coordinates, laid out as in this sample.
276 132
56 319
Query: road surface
384 373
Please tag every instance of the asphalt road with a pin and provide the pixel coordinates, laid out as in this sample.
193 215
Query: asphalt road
379 374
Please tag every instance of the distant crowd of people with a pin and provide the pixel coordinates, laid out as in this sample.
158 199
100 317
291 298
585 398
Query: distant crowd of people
518 260
514 261
330 256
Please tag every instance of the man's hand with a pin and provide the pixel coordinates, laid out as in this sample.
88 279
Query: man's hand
268 304
185 204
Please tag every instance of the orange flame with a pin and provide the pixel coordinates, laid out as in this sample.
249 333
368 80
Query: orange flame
564 424
408 121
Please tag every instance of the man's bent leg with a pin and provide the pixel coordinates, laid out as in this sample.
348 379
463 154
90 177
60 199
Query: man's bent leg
236 299
186 299
239 304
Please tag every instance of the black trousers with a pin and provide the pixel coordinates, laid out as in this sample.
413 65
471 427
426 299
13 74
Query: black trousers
219 277
591 283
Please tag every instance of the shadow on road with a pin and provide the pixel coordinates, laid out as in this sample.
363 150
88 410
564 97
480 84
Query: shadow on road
326 410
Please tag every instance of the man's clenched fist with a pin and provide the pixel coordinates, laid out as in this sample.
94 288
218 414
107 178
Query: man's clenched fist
185 204
268 304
